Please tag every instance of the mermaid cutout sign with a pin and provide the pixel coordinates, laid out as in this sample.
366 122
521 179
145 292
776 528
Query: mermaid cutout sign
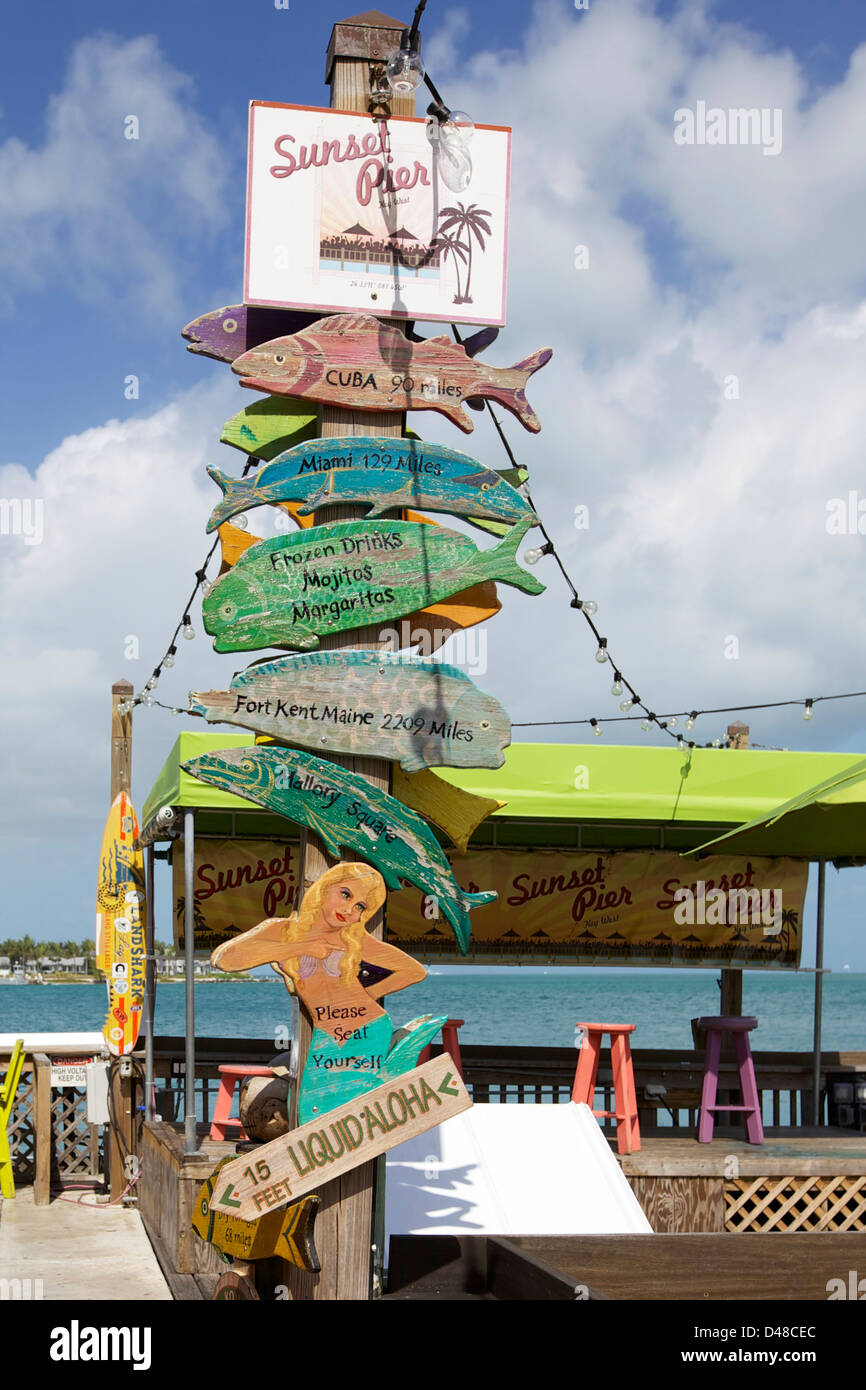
340 973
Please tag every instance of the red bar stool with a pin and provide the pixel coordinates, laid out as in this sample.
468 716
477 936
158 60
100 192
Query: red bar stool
751 1106
624 1095
230 1072
450 1044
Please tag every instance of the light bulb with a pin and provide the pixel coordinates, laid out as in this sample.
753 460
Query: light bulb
532 557
151 684
590 607
404 69
625 705
690 722
601 656
188 630
596 728
147 700
717 743
808 711
242 521
646 725
168 660
616 688
672 722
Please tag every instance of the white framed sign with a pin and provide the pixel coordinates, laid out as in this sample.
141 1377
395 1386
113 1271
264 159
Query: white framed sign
348 212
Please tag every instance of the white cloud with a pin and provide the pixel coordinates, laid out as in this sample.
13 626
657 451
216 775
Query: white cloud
113 217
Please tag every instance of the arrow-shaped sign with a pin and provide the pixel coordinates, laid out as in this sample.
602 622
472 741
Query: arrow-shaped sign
341 1139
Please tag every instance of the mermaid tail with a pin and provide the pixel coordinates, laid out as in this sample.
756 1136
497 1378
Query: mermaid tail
333 1075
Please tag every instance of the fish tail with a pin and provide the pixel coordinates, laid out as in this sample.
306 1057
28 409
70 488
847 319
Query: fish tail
230 489
319 500
515 400
503 560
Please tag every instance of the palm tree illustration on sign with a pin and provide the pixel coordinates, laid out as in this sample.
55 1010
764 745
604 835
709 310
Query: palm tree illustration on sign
468 222
456 249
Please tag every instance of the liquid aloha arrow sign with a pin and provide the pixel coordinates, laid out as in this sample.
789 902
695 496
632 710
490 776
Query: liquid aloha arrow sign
296 1163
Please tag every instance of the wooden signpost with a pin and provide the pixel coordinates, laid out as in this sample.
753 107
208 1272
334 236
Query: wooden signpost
290 590
120 926
296 1163
343 808
378 472
418 712
354 361
286 1233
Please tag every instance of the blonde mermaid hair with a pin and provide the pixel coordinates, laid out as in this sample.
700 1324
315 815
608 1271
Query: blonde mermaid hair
298 925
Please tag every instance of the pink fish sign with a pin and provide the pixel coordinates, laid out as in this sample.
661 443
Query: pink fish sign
351 212
353 361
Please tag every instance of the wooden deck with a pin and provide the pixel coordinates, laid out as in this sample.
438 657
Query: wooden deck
69 1251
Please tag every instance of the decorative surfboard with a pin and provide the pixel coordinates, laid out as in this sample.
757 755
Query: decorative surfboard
456 812
384 474
340 973
350 1135
290 590
287 1233
225 333
416 712
343 808
357 362
120 925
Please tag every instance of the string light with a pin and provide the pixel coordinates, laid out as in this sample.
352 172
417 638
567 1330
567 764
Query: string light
616 688
807 709
596 728
532 557
601 655
188 629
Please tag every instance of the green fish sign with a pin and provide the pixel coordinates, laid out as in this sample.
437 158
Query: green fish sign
343 808
290 590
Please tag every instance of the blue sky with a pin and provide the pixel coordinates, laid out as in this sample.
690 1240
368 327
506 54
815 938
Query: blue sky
708 521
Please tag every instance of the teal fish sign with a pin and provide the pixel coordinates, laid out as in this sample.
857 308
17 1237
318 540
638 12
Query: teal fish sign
416 712
290 590
343 808
385 473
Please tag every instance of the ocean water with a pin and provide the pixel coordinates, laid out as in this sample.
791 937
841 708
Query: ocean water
514 1006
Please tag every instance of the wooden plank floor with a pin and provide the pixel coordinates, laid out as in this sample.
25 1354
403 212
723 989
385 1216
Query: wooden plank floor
79 1252
834 1153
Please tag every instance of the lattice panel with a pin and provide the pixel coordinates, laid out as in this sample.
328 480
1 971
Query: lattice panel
796 1204
22 1135
74 1153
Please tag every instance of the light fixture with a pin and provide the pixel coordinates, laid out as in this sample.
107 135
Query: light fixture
601 655
188 629
807 710
690 722
646 724
596 728
616 688
671 722
168 659
532 557
404 69
449 132
626 705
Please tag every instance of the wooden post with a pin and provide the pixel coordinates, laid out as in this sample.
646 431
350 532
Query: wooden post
42 1128
344 1225
121 1089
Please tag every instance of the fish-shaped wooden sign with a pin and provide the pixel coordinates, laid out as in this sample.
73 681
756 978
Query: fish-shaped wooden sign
459 813
383 473
354 361
269 426
226 333
419 713
343 808
290 590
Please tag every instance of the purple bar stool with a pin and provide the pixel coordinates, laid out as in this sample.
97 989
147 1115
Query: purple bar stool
751 1106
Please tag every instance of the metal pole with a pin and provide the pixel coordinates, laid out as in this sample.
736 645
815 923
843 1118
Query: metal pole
819 990
189 1117
149 984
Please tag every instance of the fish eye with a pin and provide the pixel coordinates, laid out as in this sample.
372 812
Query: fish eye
227 611
279 358
484 724
247 764
230 325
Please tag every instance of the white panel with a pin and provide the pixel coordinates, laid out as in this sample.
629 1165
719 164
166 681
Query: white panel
510 1170
97 1093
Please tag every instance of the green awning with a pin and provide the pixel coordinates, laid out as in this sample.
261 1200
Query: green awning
574 785
827 821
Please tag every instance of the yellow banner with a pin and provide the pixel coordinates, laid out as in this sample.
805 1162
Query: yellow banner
650 908
237 884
